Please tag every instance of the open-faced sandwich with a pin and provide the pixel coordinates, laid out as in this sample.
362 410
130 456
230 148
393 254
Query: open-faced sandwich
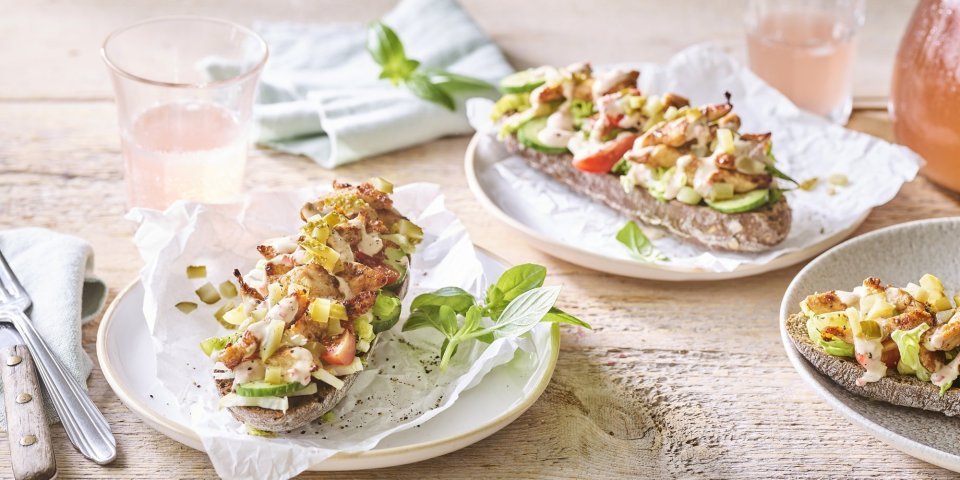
654 158
899 345
313 307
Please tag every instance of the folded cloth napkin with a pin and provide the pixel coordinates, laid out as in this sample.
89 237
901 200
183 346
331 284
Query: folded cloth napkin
320 94
56 270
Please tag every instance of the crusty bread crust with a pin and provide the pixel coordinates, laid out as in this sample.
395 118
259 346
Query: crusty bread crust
741 232
897 389
303 409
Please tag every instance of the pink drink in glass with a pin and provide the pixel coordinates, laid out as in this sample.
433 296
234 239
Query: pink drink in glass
184 150
185 88
806 50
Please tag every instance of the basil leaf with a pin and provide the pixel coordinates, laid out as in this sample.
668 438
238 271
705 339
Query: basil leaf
772 170
519 279
472 320
448 321
494 296
454 82
638 243
526 311
421 86
555 315
428 316
456 298
387 50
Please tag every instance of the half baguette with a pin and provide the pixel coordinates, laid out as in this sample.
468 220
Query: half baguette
908 391
753 231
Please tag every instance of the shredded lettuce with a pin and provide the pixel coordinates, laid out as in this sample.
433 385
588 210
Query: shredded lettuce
945 387
908 342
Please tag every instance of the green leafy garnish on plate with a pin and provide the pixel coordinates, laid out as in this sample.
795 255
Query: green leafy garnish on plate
513 305
432 85
640 246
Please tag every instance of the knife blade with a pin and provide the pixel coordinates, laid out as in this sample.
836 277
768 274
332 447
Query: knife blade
31 446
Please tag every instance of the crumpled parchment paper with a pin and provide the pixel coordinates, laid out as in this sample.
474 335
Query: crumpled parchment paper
805 146
402 386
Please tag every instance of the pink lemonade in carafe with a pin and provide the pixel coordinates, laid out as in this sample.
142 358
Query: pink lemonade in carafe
806 55
193 151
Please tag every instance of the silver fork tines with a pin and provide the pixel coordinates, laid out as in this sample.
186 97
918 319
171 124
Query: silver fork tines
85 426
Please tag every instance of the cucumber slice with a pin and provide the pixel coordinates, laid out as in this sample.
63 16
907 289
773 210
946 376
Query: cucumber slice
264 389
523 81
743 202
528 136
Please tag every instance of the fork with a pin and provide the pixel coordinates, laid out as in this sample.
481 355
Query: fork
86 428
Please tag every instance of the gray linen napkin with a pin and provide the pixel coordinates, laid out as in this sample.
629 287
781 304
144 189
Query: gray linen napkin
57 272
320 95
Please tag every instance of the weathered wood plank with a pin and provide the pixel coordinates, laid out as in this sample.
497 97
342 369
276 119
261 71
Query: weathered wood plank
666 386
53 47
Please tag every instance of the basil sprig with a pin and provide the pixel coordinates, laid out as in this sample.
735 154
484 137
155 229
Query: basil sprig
515 304
430 84
640 246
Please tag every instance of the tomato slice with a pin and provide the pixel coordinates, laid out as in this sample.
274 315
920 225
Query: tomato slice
340 350
609 154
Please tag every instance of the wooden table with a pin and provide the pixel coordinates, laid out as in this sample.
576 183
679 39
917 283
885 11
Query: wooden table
663 387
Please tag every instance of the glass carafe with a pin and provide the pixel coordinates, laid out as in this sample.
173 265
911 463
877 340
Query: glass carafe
925 93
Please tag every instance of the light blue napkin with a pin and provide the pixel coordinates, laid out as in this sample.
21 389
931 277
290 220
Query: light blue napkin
320 94
57 272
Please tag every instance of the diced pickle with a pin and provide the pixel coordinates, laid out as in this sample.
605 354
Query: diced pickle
196 271
208 294
186 307
228 289
220 313
870 329
381 184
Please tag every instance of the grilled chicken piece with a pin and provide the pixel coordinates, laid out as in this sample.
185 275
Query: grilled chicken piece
932 361
825 302
674 100
730 121
944 337
655 156
716 111
361 278
246 291
237 351
742 182
312 277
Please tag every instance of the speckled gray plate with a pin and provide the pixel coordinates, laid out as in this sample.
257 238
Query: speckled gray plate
896 255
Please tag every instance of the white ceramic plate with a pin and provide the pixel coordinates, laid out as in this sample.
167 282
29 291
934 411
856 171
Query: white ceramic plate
125 351
481 176
896 255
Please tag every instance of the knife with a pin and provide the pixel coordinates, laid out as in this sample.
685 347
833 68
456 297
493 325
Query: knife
31 446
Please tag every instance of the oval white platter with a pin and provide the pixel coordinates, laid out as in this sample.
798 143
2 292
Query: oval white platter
483 179
125 351
896 255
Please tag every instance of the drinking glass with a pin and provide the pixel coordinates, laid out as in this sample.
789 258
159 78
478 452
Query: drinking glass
805 49
184 88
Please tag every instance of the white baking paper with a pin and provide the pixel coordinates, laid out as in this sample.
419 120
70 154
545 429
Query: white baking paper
805 145
401 387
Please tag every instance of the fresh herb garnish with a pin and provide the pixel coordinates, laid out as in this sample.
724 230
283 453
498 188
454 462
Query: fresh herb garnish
772 170
638 243
622 167
516 303
432 85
